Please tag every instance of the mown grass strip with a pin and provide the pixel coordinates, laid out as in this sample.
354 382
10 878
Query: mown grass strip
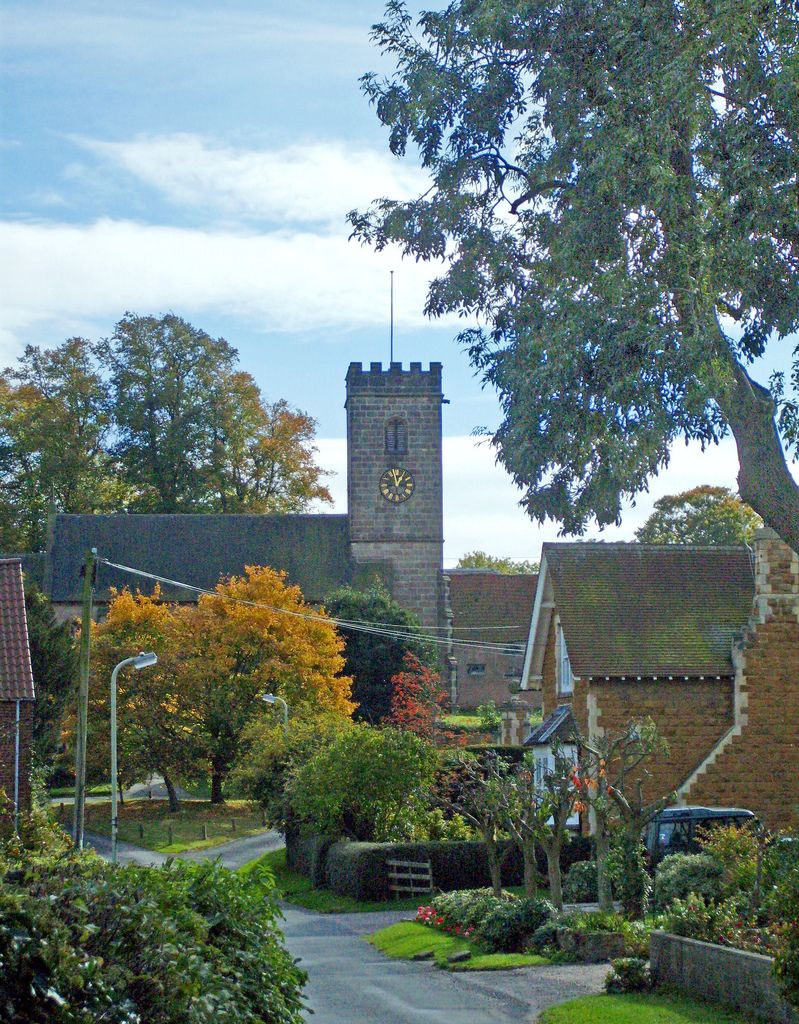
639 1009
297 889
408 939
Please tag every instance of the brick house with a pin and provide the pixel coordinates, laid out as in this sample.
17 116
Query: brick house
705 641
16 692
494 609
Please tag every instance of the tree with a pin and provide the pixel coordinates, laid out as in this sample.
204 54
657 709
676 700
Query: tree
54 427
364 784
611 779
703 515
507 566
187 716
54 662
613 195
417 699
476 793
372 660
193 432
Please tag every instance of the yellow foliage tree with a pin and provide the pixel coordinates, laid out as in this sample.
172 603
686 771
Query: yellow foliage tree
186 716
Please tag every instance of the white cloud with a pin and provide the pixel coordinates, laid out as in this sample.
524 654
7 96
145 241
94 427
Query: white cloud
304 183
481 510
287 280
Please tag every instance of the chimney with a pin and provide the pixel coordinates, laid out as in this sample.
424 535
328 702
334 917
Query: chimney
776 576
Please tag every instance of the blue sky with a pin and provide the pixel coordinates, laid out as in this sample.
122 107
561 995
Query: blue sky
201 159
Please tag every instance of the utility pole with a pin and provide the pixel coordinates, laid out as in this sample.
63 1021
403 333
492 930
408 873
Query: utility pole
83 697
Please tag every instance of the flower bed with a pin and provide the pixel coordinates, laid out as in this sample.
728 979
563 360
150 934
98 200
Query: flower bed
499 924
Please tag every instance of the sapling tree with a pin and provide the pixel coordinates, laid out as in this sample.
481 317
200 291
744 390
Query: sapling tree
536 812
476 794
611 781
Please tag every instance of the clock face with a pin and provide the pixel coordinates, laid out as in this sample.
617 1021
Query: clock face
396 484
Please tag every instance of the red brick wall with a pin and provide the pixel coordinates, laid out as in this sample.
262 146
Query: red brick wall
8 710
691 715
759 769
493 685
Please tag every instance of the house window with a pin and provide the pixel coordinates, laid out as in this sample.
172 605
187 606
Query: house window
396 437
475 670
564 670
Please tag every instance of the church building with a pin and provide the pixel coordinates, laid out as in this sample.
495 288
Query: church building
393 529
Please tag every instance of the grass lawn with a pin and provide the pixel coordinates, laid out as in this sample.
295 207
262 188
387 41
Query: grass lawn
294 888
406 939
147 823
103 789
638 1009
469 721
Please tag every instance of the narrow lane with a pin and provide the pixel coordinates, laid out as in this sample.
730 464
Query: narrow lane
350 982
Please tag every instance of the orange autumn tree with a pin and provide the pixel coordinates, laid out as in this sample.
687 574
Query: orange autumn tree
155 728
256 635
186 716
417 698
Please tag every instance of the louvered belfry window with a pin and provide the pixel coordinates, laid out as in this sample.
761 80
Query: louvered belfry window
396 437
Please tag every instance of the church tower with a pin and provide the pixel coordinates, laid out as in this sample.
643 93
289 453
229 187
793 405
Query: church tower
394 486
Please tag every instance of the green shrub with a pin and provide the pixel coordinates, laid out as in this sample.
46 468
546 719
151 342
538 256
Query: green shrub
500 924
544 937
786 959
628 974
580 884
508 926
595 921
81 941
680 874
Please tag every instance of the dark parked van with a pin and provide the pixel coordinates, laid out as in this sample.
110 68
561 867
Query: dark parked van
674 829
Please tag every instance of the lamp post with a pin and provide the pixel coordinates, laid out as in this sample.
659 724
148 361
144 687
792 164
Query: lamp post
142 660
270 698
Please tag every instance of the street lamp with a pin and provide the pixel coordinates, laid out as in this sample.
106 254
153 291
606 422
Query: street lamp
143 660
270 698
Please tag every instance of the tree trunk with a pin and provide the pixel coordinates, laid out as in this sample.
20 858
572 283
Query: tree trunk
494 866
171 792
552 849
121 794
530 869
216 788
604 893
764 480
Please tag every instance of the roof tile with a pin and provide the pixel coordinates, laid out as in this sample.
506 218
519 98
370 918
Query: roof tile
650 610
485 604
16 677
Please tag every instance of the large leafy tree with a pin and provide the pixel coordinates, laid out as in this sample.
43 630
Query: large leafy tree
54 428
186 717
703 515
193 432
507 566
613 197
54 661
373 659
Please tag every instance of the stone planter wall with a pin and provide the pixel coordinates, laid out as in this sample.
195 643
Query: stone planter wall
720 974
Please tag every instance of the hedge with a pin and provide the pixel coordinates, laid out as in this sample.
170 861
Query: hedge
359 869
307 855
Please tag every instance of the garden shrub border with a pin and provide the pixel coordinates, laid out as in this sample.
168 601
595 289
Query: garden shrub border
359 869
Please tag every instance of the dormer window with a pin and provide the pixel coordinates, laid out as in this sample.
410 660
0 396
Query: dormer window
564 669
396 437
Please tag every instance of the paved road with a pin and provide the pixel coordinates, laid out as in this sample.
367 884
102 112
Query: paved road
231 855
350 982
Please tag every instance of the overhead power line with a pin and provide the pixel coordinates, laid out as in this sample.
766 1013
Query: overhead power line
373 628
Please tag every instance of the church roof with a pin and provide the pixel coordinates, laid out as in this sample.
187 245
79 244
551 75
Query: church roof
486 603
314 550
16 677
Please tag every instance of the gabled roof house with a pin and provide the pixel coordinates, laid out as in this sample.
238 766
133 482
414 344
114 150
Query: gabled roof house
704 640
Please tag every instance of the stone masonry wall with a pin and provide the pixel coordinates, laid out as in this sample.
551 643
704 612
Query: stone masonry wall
7 758
759 766
409 534
474 690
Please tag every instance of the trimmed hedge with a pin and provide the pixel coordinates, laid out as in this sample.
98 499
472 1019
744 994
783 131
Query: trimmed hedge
307 856
513 754
359 869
